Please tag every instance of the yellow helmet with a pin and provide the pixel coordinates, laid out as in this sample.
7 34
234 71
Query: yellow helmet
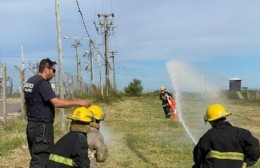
162 88
215 112
97 111
82 114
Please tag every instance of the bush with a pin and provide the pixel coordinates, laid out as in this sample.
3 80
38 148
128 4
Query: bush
135 88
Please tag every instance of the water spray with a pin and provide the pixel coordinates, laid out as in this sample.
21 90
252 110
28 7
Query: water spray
181 118
186 80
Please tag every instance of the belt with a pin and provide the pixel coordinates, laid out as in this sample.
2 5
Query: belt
33 119
38 120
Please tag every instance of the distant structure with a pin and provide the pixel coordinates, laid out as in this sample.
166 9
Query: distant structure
235 84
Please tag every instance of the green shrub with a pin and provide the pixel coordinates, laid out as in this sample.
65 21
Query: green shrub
135 88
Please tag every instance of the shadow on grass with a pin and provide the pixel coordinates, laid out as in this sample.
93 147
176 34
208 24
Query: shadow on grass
130 143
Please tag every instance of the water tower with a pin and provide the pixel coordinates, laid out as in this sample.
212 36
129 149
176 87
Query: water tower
235 84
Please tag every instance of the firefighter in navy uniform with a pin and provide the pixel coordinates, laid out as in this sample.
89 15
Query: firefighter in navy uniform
40 104
164 98
72 149
224 145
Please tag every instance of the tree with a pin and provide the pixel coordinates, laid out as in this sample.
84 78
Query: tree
135 88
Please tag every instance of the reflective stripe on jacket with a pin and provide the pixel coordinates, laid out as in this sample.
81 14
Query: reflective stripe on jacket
62 160
70 151
225 155
226 146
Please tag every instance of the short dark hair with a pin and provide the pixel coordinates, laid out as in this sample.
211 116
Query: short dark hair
46 63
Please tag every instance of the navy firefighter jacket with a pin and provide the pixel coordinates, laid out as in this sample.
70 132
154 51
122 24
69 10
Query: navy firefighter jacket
70 151
226 146
163 97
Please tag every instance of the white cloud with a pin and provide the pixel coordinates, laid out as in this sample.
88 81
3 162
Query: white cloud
156 30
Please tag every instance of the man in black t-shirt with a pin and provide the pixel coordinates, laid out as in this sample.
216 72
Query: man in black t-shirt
40 103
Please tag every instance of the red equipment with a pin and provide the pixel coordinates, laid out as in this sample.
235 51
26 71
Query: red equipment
172 106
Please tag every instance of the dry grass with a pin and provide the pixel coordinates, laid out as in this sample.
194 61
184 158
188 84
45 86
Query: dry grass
138 135
17 158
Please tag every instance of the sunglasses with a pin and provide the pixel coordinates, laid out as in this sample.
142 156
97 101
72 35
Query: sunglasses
53 70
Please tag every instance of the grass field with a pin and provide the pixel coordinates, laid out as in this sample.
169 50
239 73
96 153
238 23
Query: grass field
137 134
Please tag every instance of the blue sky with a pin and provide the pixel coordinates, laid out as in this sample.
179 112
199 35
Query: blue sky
216 38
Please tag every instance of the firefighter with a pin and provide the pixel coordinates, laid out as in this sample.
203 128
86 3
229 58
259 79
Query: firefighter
164 96
97 150
224 145
72 149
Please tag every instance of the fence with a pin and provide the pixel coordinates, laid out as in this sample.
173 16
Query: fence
7 90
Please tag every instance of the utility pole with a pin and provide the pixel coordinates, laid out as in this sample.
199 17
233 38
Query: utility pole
79 81
4 97
113 61
91 64
100 77
107 26
70 86
21 88
93 43
57 12
86 67
77 45
22 81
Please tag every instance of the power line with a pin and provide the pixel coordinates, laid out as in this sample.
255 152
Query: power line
85 27
82 19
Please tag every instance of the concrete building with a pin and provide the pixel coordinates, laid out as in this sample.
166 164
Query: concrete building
235 84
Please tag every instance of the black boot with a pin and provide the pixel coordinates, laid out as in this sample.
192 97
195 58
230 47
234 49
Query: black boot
168 115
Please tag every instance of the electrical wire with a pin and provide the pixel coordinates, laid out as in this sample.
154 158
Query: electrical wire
83 20
85 27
